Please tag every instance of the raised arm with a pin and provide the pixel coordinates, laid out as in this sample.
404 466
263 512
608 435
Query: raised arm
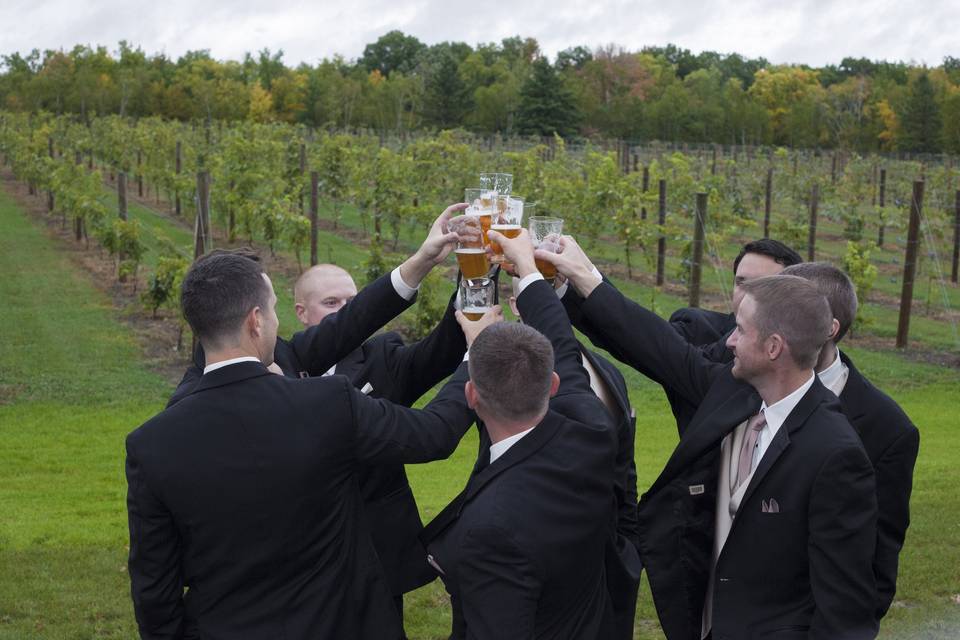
322 346
633 334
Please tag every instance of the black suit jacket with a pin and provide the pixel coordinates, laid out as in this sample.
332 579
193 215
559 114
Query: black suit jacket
522 547
246 493
892 443
804 571
401 374
701 327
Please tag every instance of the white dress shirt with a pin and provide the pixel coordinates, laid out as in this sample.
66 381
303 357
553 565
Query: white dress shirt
224 363
500 448
776 414
835 376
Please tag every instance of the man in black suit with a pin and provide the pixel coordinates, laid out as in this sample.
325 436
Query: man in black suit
521 549
763 522
382 367
245 492
763 257
890 439
623 565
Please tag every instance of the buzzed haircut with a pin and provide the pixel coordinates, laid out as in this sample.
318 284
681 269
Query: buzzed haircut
835 285
218 292
313 272
510 365
794 309
773 249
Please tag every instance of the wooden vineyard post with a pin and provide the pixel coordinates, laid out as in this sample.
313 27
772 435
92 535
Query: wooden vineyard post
883 196
768 196
179 167
77 220
910 264
202 241
713 164
50 202
139 173
303 170
812 237
661 237
833 169
956 239
314 214
696 266
122 195
646 187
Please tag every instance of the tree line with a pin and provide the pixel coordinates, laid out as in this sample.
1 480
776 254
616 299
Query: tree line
511 88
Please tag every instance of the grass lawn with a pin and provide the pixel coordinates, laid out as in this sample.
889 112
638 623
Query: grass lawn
72 385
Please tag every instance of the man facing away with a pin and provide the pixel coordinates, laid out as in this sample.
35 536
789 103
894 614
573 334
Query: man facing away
890 439
763 521
521 549
243 499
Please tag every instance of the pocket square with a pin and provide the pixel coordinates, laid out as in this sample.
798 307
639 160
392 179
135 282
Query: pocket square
769 506
366 389
433 563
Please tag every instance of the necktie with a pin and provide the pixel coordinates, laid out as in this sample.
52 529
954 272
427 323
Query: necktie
749 447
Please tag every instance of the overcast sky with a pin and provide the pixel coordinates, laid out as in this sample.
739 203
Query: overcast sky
814 32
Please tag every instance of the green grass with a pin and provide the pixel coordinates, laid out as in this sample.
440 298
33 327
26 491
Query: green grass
72 385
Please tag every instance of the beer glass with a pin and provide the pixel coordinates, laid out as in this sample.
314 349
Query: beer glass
470 252
480 205
498 183
545 234
507 222
476 297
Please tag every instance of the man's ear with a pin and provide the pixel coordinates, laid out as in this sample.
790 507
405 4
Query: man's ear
775 346
254 322
554 383
470 392
301 311
834 329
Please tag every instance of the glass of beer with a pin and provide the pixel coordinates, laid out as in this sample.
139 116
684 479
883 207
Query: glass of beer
499 183
508 221
470 252
480 205
545 234
476 297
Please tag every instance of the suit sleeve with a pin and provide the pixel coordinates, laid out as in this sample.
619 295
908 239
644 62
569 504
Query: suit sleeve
156 583
648 343
499 587
386 432
842 535
417 367
894 471
320 347
541 309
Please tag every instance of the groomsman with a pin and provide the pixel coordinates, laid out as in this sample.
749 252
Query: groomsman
763 521
243 498
521 549
623 565
890 439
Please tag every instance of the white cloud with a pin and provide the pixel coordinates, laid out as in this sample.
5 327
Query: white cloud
814 32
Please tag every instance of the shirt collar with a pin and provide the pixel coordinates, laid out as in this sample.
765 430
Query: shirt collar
500 448
223 363
776 414
830 375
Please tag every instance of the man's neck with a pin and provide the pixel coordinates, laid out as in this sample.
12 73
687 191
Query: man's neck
500 430
221 355
779 384
827 356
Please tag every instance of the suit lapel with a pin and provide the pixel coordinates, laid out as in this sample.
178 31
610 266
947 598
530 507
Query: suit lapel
795 421
601 366
351 365
851 398
707 430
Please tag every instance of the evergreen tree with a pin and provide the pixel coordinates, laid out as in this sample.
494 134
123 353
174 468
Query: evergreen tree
446 99
546 104
920 120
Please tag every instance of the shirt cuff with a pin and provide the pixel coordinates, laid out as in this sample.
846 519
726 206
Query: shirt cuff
466 356
403 290
526 280
562 289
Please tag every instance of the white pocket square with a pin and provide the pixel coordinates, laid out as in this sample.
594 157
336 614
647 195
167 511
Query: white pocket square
366 389
769 506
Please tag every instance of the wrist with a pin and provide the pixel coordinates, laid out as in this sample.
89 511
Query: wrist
414 269
525 268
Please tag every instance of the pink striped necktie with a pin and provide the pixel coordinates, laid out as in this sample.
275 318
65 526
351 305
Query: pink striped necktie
749 447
